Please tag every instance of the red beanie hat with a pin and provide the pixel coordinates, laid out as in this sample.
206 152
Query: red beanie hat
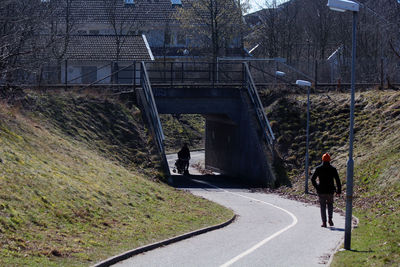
326 157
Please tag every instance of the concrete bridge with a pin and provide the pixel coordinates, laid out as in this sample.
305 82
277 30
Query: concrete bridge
239 141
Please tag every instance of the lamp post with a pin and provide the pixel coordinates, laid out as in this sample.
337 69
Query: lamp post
278 74
342 6
308 85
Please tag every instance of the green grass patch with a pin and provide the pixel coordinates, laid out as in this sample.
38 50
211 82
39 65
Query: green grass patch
72 192
376 242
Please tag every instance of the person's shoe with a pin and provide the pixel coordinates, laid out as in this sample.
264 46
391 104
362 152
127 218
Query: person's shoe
323 224
330 222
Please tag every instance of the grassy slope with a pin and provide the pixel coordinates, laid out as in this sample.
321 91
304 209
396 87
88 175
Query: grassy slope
75 187
377 162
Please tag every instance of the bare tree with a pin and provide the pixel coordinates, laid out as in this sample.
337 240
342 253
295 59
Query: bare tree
216 23
123 22
318 24
21 42
268 32
307 29
391 9
60 26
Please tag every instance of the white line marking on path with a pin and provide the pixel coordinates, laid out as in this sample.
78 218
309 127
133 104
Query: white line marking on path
266 240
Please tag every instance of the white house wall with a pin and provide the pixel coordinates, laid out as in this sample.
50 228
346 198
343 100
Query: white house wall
75 71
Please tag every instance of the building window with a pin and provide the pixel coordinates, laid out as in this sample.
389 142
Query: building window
176 3
129 2
82 32
168 38
181 39
135 32
125 76
94 32
89 74
50 74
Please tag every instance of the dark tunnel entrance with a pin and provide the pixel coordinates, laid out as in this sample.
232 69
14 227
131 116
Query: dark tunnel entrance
233 141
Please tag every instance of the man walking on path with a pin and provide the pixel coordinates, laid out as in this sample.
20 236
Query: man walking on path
326 187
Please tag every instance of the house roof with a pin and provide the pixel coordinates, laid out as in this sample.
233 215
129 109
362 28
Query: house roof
160 52
101 11
103 47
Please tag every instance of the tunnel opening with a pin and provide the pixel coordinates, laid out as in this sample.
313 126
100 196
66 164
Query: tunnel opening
183 128
213 142
180 129
231 136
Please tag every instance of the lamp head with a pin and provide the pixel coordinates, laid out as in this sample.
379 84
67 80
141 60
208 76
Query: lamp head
303 83
343 5
280 73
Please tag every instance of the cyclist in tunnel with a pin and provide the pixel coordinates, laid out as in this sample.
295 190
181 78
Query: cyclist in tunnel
184 157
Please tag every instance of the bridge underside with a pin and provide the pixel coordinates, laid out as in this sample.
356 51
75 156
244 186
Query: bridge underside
234 145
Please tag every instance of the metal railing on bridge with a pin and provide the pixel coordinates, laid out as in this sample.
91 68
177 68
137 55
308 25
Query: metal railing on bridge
255 99
195 73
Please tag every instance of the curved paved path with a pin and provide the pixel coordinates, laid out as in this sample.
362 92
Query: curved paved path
269 231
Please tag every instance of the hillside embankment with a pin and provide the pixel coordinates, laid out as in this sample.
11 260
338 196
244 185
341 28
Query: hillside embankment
376 241
80 181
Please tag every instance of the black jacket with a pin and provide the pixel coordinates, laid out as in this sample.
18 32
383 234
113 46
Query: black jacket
326 174
184 153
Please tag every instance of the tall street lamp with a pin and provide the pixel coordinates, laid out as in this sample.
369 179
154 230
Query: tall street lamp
308 85
342 6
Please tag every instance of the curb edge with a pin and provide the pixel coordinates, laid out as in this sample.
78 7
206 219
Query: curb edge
340 243
139 250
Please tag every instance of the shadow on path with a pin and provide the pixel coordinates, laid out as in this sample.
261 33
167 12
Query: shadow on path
336 229
221 181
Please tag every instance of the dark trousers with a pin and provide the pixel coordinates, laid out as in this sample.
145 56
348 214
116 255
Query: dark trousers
187 165
324 201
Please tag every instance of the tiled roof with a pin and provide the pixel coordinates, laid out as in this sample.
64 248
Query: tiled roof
142 11
103 47
160 52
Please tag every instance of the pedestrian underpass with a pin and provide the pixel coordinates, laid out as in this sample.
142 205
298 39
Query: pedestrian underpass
238 141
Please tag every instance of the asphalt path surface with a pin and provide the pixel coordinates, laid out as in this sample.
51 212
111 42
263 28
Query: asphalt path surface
269 231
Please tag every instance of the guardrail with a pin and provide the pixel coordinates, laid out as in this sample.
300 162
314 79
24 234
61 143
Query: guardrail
194 73
255 99
150 108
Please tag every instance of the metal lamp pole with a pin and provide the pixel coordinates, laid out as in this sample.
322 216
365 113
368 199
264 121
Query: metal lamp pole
350 162
342 6
308 138
278 74
308 85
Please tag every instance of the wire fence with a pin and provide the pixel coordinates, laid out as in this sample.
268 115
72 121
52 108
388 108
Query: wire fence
195 73
323 72
383 72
